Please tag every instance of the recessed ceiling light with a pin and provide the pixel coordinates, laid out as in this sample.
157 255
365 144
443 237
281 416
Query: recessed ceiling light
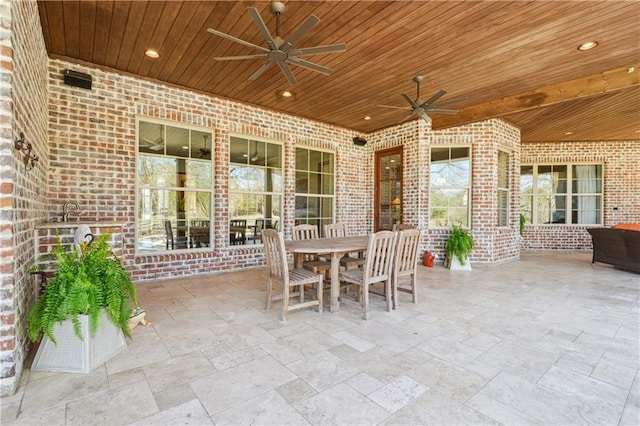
588 45
287 95
152 53
367 117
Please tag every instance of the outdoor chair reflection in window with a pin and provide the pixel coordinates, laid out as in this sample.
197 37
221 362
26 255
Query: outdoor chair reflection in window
259 226
172 243
237 231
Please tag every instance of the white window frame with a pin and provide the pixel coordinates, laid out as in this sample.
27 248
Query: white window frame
280 194
504 190
468 188
568 194
138 187
332 197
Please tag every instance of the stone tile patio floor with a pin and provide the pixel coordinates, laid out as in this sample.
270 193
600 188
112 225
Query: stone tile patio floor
544 340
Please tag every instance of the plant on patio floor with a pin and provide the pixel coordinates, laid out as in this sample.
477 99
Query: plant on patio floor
459 244
88 279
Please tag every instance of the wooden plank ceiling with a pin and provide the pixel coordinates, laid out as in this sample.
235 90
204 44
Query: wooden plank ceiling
515 60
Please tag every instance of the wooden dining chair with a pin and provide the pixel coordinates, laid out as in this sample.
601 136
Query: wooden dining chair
278 270
377 269
311 261
405 264
334 230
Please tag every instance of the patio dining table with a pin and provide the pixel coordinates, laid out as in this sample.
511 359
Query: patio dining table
333 247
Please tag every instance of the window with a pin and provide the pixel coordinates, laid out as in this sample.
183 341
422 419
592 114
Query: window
174 181
503 189
255 189
314 187
450 176
562 193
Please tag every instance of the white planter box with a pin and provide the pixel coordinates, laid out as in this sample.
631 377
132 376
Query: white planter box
455 265
72 355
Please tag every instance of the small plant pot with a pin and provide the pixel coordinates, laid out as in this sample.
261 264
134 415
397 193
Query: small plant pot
454 264
72 355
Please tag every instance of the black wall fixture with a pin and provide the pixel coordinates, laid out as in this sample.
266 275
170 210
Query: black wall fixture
77 79
359 141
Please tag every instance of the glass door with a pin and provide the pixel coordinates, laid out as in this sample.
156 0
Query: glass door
388 196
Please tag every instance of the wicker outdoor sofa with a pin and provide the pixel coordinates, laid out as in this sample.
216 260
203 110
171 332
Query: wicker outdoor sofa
618 246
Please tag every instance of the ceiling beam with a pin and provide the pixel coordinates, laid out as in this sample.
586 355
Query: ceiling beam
608 81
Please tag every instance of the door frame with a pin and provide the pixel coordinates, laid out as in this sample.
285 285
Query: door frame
398 150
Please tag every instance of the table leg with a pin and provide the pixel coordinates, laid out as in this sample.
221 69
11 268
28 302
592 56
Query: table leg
335 281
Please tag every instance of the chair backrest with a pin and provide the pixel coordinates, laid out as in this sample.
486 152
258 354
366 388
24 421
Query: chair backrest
334 230
238 223
304 232
380 256
275 255
406 256
402 226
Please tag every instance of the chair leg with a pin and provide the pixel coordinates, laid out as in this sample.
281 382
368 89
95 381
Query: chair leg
365 301
285 302
414 288
388 294
269 293
320 291
395 293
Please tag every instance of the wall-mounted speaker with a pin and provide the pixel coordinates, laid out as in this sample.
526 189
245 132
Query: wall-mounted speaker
359 141
77 79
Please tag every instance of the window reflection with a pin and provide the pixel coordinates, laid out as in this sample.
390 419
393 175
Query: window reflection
255 188
175 187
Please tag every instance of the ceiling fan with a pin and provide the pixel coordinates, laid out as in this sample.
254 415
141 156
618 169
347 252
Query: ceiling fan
280 51
154 145
422 108
205 151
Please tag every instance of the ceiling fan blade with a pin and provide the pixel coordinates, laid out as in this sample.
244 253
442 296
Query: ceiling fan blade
408 117
424 116
442 111
411 101
434 98
238 58
391 106
287 72
154 145
318 50
262 27
302 30
237 40
451 102
261 70
309 65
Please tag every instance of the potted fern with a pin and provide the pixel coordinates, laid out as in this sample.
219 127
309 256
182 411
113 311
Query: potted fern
88 302
457 249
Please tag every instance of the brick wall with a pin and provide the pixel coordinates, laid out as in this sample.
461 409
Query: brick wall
92 152
621 188
23 108
492 244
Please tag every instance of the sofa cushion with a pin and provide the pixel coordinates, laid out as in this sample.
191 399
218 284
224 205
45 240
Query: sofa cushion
631 226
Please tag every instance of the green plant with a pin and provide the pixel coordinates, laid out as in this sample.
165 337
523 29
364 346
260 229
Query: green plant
459 244
523 220
88 279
